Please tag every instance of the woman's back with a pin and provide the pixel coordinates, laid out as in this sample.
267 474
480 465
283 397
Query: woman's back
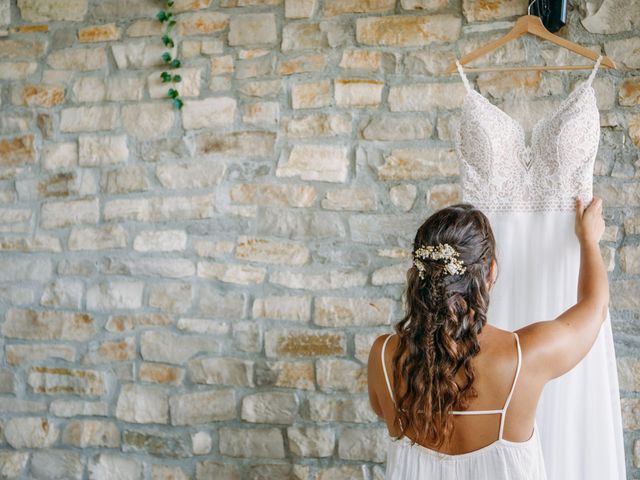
495 438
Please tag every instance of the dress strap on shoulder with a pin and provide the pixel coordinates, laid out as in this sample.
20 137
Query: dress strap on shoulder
462 75
513 385
384 368
595 69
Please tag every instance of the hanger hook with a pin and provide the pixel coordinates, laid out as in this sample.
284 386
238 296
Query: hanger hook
529 7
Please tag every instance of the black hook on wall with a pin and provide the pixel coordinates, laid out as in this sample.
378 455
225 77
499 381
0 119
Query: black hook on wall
552 13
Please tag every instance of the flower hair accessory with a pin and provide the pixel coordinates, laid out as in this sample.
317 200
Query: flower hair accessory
440 252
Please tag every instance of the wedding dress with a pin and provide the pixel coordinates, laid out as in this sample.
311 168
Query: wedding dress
527 192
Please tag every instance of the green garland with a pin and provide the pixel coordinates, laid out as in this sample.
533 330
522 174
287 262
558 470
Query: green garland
166 16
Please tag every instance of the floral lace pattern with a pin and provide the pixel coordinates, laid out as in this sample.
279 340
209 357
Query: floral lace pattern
500 172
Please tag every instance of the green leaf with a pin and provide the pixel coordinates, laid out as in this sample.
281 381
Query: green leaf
165 76
162 16
169 3
172 93
168 41
178 103
166 56
177 78
171 24
175 63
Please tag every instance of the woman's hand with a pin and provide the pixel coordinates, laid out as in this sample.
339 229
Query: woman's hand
589 221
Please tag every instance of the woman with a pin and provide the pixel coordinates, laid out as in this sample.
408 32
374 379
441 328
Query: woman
459 395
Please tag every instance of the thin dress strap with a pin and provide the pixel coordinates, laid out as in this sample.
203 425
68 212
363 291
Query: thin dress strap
463 76
595 69
513 386
384 368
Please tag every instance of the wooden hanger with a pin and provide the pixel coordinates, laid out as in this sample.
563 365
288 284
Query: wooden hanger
530 24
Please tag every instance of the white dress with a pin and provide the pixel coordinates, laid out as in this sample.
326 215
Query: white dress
500 460
527 192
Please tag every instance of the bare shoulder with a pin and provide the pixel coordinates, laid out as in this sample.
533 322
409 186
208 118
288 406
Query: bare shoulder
375 353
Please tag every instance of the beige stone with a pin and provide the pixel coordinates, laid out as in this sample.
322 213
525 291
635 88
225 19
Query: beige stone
173 348
83 59
142 404
317 125
419 97
52 380
344 311
201 23
273 194
626 51
30 432
329 163
410 164
102 150
359 199
304 343
308 441
147 121
363 444
91 433
311 95
333 279
311 62
17 70
52 10
629 93
358 92
251 442
140 54
162 374
221 371
252 29
17 151
231 273
192 174
35 95
70 212
269 407
270 251
302 36
299 8
208 113
203 407
89 119
341 375
98 238
407 30
423 4
48 325
188 86
99 33
130 178
339 7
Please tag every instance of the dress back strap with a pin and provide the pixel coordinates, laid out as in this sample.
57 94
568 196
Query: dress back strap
462 75
384 368
595 69
513 385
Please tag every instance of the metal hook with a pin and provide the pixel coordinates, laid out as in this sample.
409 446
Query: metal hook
529 7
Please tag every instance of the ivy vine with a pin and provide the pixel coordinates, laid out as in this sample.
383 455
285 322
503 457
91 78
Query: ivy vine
166 17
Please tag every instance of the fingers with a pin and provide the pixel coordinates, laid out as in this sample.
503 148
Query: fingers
579 208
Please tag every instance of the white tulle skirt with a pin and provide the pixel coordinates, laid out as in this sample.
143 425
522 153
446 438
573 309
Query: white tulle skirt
578 415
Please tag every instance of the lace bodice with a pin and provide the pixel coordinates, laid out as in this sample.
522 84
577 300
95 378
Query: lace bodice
500 172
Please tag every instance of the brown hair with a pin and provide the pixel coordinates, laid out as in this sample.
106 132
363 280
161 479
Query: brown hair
444 315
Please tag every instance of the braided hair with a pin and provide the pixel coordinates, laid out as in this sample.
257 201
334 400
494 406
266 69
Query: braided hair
444 313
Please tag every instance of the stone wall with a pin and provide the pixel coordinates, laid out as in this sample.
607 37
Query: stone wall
192 293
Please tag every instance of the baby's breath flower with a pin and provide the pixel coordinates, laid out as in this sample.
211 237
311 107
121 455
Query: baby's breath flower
440 252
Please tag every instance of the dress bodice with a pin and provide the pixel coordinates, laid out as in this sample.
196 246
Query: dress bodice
500 172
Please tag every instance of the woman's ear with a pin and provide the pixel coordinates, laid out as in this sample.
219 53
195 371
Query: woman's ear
492 273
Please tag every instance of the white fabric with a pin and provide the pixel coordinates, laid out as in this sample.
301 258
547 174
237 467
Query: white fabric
533 220
499 172
500 460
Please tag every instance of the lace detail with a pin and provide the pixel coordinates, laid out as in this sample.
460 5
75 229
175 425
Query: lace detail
500 172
